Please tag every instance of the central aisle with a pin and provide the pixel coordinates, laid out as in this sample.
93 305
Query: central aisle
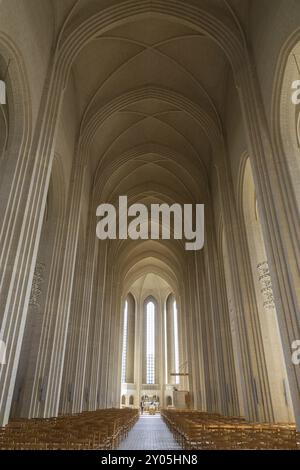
149 433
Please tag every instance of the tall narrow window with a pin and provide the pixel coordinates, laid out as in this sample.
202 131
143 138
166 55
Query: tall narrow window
176 346
124 351
150 350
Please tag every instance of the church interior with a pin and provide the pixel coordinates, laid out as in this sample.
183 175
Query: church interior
105 344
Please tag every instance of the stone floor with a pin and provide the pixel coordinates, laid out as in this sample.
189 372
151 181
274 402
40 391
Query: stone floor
149 433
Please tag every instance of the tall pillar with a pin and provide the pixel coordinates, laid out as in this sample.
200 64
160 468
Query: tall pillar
53 347
97 336
106 339
223 340
81 387
18 253
195 345
278 234
67 404
255 385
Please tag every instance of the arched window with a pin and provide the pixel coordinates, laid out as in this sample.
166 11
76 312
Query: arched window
169 401
176 345
150 343
124 351
127 375
131 400
172 341
123 400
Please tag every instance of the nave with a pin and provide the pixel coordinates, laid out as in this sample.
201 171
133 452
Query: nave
166 103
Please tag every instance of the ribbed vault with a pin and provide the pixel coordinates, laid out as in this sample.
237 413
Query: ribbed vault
150 85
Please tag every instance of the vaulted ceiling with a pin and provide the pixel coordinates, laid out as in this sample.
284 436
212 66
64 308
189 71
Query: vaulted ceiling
151 95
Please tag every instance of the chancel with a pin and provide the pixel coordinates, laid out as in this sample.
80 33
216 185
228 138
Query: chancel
173 337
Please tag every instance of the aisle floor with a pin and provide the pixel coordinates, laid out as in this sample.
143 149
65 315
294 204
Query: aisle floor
149 433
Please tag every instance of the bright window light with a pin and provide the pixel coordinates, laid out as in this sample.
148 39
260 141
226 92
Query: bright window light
124 352
150 350
176 347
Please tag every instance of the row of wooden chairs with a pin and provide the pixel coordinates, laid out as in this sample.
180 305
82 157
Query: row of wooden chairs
198 430
94 430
